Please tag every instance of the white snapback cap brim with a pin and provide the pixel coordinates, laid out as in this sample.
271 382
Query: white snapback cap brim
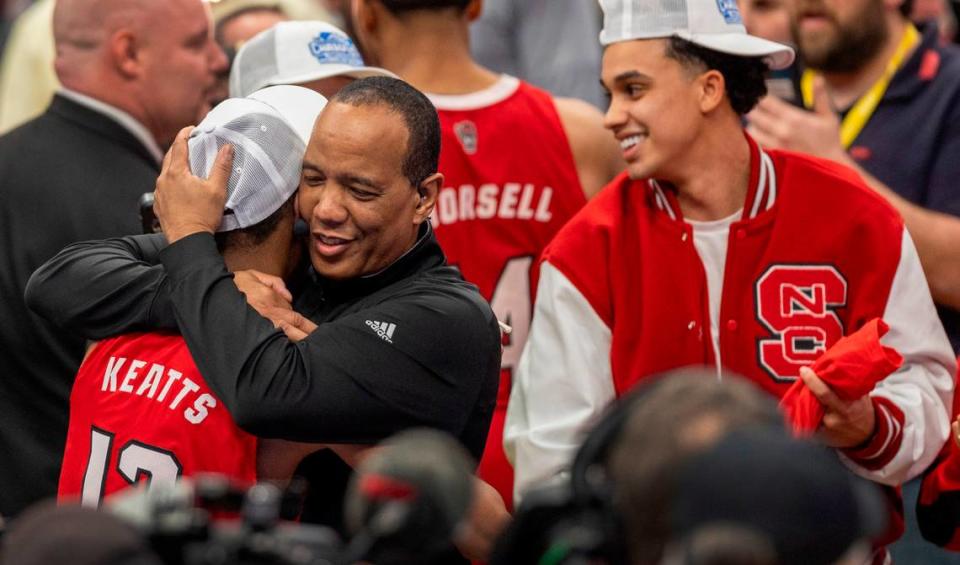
712 24
329 71
777 55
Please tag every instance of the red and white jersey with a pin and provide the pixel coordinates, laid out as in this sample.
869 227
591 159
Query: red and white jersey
623 296
141 411
510 184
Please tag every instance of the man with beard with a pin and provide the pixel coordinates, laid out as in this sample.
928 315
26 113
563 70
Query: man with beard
885 100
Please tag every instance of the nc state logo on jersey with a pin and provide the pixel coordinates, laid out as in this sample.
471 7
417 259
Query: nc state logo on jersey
797 304
467 134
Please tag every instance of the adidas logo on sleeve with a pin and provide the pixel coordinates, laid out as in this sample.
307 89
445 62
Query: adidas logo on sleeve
384 329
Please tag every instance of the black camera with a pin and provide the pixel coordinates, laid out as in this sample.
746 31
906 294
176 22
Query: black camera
212 522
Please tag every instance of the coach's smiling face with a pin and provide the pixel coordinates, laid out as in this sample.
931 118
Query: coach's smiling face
363 212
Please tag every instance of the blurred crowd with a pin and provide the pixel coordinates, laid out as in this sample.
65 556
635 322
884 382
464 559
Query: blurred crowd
505 281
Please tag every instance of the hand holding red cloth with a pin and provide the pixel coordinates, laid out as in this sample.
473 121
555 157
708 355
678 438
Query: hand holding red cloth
851 368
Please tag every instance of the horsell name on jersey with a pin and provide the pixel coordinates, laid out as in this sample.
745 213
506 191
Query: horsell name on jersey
157 383
514 201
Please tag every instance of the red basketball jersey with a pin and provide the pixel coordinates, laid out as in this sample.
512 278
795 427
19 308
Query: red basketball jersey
510 183
140 411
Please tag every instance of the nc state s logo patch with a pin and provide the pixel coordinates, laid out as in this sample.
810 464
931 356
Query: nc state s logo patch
797 304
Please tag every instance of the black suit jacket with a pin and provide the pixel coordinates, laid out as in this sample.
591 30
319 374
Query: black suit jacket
70 175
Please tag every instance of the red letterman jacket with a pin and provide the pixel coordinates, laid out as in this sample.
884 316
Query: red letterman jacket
623 296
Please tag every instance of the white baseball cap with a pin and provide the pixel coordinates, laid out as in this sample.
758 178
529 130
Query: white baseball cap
269 131
714 24
295 53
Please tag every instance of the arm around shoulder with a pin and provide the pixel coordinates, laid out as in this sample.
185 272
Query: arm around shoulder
407 361
102 288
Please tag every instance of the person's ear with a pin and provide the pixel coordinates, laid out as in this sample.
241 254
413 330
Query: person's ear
300 226
712 88
364 16
124 50
366 23
427 194
474 9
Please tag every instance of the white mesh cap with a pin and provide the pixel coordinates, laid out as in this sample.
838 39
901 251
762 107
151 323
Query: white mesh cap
295 53
269 131
714 24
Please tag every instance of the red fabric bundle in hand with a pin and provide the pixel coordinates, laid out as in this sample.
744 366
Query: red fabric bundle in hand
851 368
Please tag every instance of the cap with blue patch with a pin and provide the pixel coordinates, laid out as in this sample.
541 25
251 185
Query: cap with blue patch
294 53
714 24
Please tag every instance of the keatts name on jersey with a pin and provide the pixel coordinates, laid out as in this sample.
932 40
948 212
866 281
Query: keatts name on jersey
512 201
159 383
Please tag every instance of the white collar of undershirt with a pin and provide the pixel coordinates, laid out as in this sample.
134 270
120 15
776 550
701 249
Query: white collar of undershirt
498 92
129 123
722 224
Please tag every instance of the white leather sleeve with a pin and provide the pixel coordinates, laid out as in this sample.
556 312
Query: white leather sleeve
562 385
923 387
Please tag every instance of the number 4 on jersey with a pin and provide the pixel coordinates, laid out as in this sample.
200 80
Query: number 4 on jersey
512 305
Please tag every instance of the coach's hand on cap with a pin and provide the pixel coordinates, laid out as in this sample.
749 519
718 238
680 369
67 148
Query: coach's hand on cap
184 203
845 424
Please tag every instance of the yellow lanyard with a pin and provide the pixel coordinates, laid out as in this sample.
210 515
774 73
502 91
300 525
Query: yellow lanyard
860 114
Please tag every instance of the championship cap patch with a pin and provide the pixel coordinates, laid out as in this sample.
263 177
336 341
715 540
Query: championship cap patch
730 11
335 49
296 52
467 134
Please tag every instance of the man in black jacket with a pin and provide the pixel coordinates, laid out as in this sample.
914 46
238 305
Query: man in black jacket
392 337
76 173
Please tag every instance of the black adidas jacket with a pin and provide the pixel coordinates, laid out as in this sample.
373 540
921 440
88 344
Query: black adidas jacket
414 345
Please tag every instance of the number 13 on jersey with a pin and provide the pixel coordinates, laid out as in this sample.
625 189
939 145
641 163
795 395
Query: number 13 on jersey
135 462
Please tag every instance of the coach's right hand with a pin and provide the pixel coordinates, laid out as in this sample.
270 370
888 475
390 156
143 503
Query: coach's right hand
263 291
268 295
186 204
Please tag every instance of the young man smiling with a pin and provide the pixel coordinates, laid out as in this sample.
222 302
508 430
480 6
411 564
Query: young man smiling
713 251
